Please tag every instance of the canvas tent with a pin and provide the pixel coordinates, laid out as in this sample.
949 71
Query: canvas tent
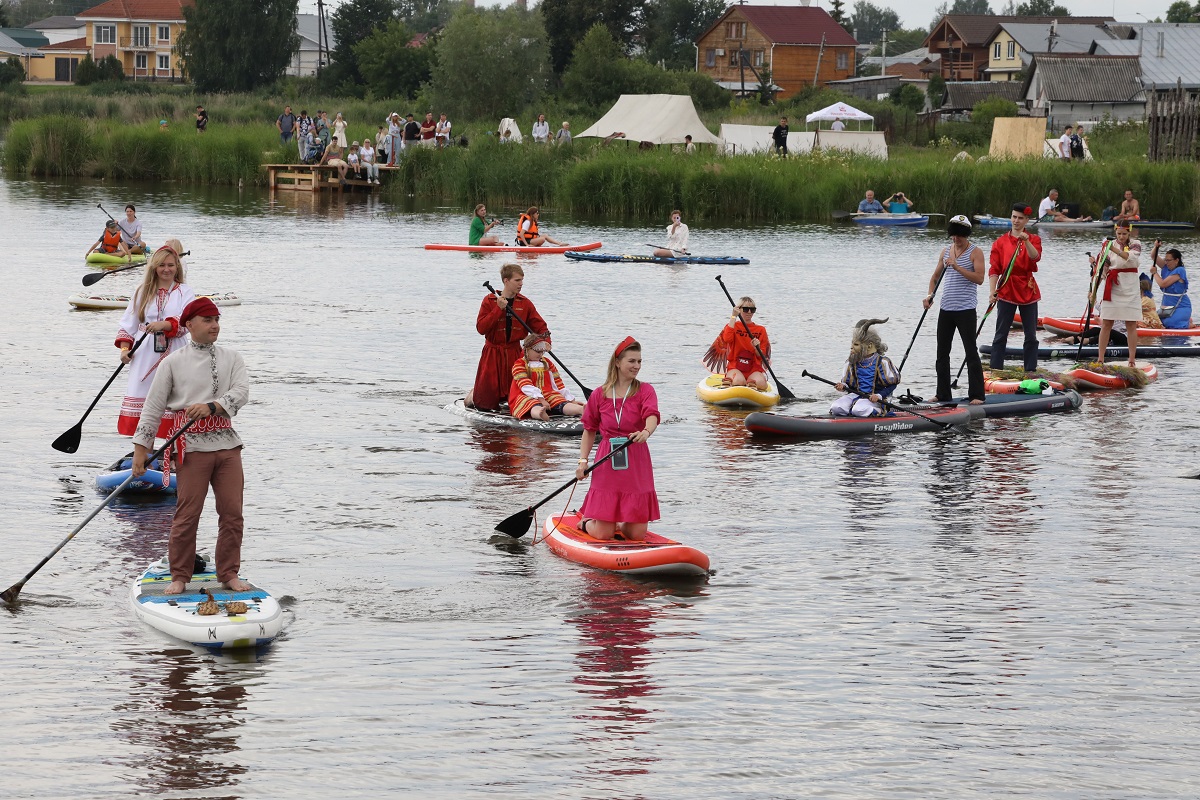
745 139
867 143
509 124
658 118
1018 137
846 113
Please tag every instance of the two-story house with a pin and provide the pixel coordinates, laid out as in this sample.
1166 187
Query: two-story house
1014 44
801 46
142 34
965 41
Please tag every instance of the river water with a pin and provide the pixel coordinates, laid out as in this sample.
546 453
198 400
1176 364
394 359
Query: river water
1005 612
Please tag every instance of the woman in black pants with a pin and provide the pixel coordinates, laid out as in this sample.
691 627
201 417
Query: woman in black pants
961 269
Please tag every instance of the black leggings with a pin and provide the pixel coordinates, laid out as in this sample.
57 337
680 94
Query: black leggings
1005 311
963 322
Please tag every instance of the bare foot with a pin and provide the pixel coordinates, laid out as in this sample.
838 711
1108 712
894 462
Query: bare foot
976 402
237 585
176 587
1133 365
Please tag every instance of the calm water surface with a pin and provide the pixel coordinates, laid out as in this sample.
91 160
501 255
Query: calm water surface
1008 612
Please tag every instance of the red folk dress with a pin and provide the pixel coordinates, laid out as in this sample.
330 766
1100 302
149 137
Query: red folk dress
1021 288
501 348
625 495
540 375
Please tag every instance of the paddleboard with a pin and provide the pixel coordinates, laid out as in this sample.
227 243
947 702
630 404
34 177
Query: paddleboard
571 426
644 259
710 390
512 248
910 220
1019 405
826 426
1091 379
86 301
112 260
1114 354
149 484
176 615
655 555
992 221
1068 327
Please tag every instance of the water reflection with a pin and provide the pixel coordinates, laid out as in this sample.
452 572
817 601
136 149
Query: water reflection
954 482
727 428
1011 464
864 485
144 531
516 454
182 714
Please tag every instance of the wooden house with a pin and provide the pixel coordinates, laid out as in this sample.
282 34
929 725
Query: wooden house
801 46
966 43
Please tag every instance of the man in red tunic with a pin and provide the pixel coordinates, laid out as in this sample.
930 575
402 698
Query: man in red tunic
1014 259
498 324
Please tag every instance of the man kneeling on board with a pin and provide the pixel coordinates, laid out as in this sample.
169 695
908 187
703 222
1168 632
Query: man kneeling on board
208 384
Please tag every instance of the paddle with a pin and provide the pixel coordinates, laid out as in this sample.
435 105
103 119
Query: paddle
1003 280
518 524
908 396
659 247
102 208
10 594
69 441
844 214
508 310
1093 286
886 403
783 390
93 277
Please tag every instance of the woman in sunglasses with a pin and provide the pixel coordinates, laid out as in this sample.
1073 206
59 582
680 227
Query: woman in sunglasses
537 389
736 352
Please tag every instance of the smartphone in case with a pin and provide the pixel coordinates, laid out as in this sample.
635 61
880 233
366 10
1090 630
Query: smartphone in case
619 460
160 342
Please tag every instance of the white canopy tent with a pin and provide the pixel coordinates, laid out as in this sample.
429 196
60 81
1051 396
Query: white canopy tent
839 111
509 124
657 118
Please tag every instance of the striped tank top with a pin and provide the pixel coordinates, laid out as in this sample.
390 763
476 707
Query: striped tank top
958 293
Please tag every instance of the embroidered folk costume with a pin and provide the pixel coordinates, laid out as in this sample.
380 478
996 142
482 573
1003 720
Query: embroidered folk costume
166 305
502 346
534 382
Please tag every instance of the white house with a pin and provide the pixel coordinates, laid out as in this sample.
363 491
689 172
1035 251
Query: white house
305 60
60 29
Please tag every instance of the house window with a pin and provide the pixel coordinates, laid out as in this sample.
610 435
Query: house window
1012 51
141 35
735 30
710 57
104 34
164 61
758 58
843 60
735 57
139 61
996 51
164 33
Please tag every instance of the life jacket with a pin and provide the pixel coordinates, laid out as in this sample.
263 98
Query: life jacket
111 241
526 235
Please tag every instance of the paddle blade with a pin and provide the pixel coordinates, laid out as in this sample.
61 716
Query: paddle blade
518 524
9 595
69 441
784 392
91 278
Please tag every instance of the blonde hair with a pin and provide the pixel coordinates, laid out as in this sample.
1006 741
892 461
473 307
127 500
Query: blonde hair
509 270
743 302
532 339
611 379
481 205
147 290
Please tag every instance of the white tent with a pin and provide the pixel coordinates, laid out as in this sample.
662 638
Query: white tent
839 111
745 139
658 118
867 143
509 124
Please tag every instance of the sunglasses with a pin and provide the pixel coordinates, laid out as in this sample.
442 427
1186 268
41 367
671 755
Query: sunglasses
749 309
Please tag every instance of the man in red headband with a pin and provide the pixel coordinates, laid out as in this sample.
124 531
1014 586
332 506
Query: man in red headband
1014 259
206 383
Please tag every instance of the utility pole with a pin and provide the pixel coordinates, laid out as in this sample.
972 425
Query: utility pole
883 57
820 54
322 37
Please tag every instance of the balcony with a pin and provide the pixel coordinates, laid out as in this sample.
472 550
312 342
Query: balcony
138 44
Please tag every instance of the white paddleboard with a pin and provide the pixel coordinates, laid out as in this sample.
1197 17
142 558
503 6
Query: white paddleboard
175 615
100 301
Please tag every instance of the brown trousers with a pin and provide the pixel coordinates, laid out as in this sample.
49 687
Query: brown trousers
223 470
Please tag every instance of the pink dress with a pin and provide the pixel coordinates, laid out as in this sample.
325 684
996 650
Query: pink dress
625 495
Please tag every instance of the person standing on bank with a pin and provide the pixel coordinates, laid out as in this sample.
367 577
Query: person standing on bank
779 136
961 270
1122 289
502 339
208 384
622 495
1014 258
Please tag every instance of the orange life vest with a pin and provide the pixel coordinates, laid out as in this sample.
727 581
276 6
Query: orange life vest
526 235
111 241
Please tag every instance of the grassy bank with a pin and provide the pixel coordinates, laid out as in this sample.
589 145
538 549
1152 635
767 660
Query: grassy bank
616 181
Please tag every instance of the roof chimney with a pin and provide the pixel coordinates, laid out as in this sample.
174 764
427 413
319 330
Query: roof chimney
1161 43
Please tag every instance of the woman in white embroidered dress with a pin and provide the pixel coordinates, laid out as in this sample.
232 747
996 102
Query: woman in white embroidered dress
154 310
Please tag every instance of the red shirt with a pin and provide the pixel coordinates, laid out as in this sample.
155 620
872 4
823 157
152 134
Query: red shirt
1021 288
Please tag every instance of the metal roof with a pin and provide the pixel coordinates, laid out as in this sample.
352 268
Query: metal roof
306 26
790 25
978 29
1179 59
963 95
1087 79
11 46
56 23
1034 37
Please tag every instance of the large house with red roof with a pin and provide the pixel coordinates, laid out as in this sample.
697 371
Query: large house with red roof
800 45
142 34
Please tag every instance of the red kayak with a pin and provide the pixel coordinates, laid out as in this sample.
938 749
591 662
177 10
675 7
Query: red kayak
1070 327
1090 379
655 555
512 248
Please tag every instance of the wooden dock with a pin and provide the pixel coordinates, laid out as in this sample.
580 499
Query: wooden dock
314 178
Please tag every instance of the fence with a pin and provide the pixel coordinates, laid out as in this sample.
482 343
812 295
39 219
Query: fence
1173 118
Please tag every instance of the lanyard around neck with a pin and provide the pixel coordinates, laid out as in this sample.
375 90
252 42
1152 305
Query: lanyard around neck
617 412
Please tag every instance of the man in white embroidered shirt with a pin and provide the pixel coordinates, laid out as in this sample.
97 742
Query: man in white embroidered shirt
208 384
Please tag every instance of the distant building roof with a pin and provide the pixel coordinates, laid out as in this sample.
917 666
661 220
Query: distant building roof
978 29
1178 60
137 9
70 44
25 37
791 25
10 46
306 26
907 70
1087 79
56 23
963 95
1034 37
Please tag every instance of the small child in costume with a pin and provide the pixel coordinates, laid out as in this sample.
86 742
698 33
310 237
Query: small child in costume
869 371
537 389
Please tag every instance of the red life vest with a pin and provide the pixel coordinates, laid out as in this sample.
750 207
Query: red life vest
523 235
111 241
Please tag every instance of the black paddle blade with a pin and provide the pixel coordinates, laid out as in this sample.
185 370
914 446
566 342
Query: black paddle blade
517 525
91 278
69 441
9 595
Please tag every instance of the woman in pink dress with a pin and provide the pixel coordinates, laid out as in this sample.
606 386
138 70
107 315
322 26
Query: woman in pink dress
622 491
